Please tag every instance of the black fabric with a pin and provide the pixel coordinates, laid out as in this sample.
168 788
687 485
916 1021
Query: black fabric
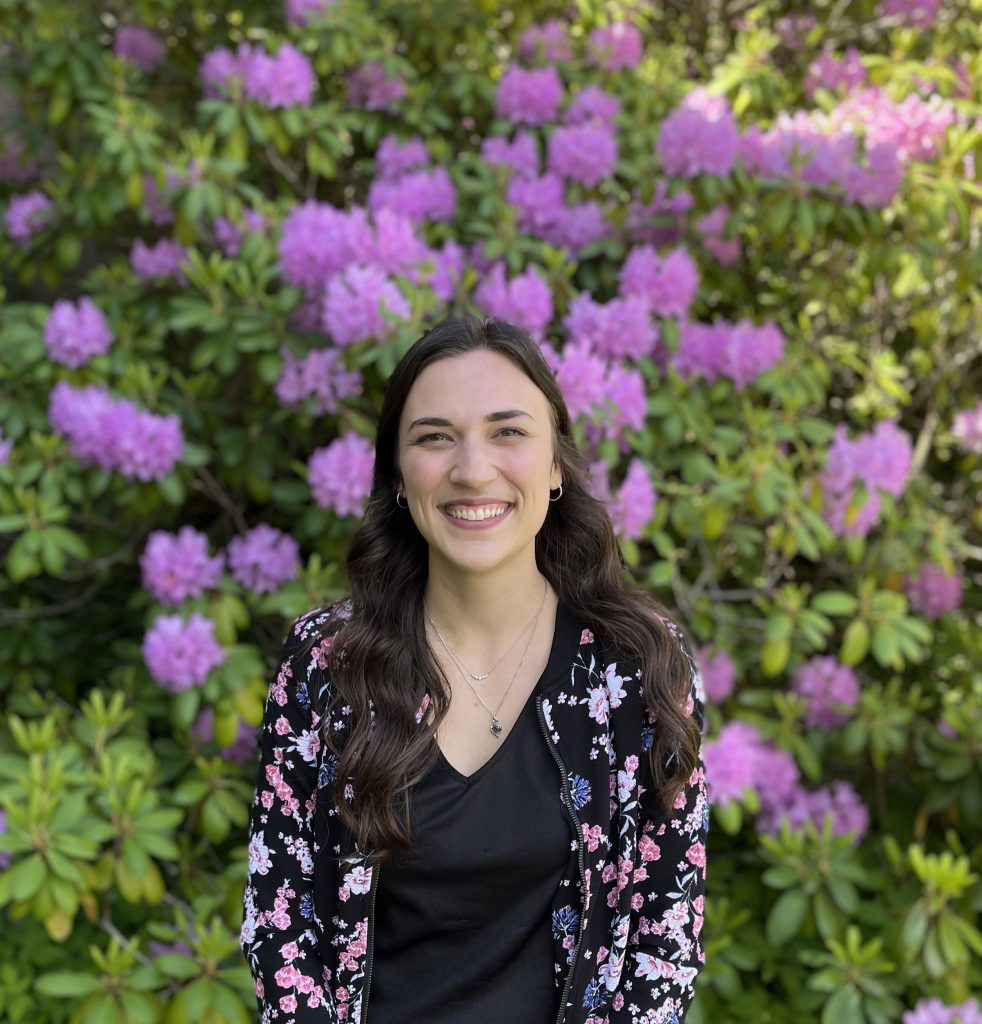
462 926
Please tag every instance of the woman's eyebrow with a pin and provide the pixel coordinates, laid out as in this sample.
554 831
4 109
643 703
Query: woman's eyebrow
492 417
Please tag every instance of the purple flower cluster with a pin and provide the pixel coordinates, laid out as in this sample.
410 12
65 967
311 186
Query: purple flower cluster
283 79
28 214
616 46
792 29
529 96
718 672
242 749
934 1011
667 283
177 566
303 12
5 857
699 137
840 799
584 153
181 654
320 374
418 195
542 212
910 14
546 43
395 156
880 459
591 103
740 351
74 333
621 327
521 154
340 474
161 260
264 558
967 428
229 235
369 86
6 447
712 227
593 386
914 127
830 690
361 303
156 198
634 505
525 300
739 758
139 46
830 72
934 592
113 433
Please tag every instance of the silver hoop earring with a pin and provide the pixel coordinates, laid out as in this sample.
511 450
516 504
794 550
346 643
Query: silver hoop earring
398 496
559 495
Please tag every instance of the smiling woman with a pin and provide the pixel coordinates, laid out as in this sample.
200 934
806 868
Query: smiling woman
481 793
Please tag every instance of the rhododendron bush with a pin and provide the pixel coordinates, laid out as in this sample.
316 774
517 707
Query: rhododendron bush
747 239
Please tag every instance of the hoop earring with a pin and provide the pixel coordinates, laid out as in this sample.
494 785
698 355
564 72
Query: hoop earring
559 495
398 496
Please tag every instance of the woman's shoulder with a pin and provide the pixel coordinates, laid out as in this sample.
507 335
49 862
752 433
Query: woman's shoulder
321 622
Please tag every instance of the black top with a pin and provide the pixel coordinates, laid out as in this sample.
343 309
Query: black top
462 927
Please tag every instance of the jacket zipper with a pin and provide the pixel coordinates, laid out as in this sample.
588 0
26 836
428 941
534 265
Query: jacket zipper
370 942
580 844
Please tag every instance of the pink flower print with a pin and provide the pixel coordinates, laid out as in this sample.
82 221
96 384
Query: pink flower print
282 726
591 836
625 786
315 998
359 879
615 686
308 744
652 968
696 854
699 904
637 901
586 637
631 763
609 873
288 1003
676 917
618 1000
305 984
281 919
602 954
569 941
640 874
259 858
599 705
289 951
421 710
649 849
697 925
267 799
278 692
286 977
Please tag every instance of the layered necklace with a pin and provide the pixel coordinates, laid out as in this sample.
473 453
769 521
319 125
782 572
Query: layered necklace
464 673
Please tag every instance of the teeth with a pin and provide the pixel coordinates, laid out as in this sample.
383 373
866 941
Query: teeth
477 513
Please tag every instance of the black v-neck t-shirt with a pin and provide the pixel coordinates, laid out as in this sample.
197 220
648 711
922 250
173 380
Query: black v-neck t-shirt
462 930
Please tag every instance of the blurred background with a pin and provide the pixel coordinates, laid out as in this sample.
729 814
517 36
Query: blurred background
747 238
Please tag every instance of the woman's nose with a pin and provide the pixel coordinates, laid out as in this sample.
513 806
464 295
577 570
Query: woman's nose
473 463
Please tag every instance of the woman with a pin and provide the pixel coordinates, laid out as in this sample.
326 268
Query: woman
481 795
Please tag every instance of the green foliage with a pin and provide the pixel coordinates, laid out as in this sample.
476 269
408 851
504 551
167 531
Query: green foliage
123 837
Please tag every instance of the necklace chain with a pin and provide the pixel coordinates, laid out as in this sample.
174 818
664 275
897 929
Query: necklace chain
495 723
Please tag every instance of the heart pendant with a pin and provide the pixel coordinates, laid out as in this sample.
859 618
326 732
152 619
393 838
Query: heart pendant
495 727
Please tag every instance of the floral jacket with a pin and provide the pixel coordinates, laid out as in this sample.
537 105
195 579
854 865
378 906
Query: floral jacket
626 918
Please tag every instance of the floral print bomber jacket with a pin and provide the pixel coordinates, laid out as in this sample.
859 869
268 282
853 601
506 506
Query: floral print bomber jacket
626 918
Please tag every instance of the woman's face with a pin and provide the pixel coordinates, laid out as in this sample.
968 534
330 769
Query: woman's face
465 457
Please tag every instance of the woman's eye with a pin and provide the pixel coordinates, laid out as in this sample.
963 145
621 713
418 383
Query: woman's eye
430 437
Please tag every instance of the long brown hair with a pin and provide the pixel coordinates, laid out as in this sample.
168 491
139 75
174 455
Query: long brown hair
386 662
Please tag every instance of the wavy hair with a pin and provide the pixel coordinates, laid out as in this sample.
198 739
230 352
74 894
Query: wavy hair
387 663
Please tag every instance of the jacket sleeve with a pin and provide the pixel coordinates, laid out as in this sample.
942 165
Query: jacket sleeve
278 936
664 953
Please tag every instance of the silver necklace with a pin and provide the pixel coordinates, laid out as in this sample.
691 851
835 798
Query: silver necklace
495 723
485 675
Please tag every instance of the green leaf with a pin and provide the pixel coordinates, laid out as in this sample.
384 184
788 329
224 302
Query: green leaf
786 916
844 1007
67 984
26 876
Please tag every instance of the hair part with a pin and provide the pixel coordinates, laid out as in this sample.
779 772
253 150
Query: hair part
387 666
